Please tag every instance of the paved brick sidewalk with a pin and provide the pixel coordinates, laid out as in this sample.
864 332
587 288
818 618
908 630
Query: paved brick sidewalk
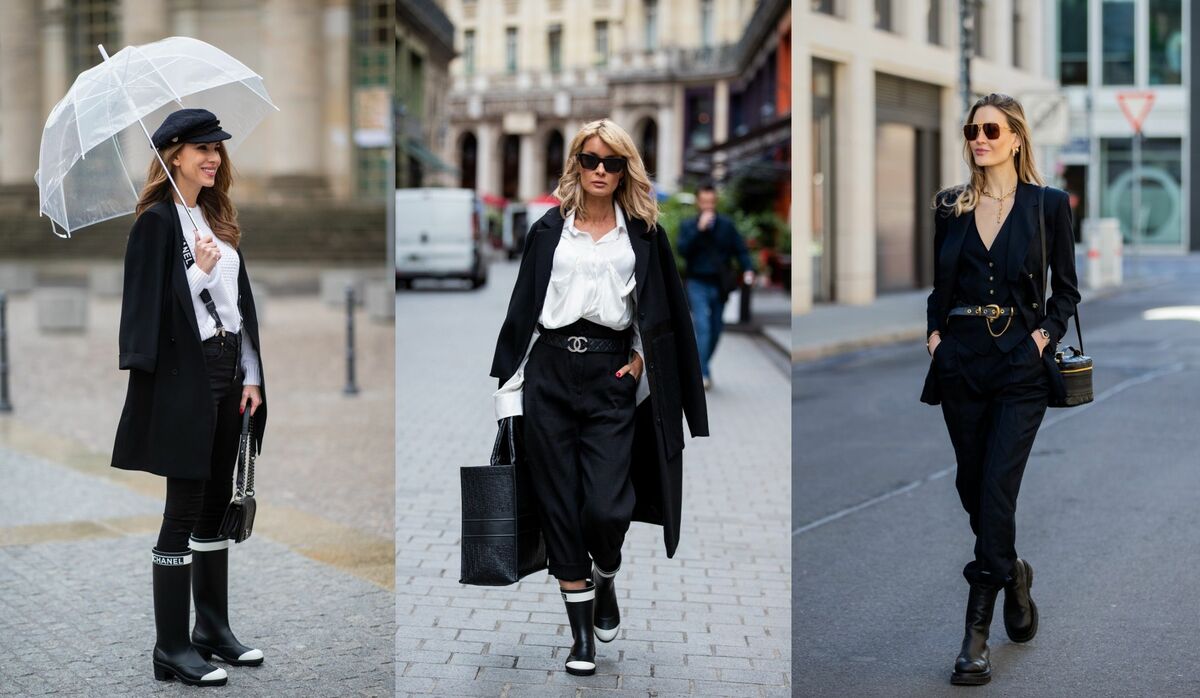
713 621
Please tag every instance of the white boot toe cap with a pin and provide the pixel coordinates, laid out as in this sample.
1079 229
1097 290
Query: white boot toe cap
250 656
215 675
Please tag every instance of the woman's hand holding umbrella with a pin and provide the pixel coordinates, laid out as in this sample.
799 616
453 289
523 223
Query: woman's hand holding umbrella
207 253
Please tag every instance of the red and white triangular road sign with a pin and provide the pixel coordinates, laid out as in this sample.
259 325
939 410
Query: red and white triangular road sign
1136 107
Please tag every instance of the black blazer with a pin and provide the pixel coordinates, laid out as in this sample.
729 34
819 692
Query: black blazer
672 361
1026 268
167 423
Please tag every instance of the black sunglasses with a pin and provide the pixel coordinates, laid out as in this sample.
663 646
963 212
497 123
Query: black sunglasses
991 130
590 162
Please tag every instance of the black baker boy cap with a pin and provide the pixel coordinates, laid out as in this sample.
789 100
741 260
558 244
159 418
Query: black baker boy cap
188 126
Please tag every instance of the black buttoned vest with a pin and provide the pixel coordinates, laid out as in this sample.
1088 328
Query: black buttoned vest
982 280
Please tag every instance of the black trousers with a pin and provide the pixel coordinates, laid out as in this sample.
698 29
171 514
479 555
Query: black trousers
993 404
578 429
196 507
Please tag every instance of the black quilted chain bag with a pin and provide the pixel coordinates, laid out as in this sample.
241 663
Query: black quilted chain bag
501 534
1073 364
239 515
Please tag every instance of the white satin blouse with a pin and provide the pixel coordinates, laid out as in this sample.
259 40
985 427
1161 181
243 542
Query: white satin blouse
589 280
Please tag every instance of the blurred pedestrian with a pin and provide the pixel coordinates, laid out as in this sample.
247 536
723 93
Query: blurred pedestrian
988 332
707 243
189 339
598 355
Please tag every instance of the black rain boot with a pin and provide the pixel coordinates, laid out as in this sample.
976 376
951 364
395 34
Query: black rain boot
580 607
174 656
1020 612
608 616
972 668
210 586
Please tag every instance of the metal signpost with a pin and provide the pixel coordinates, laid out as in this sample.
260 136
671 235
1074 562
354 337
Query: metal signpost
1136 107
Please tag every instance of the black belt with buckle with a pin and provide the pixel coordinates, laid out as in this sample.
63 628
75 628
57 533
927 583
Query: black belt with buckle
990 312
578 344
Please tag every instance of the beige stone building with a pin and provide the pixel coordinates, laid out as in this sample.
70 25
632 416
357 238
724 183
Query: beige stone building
326 65
876 123
529 73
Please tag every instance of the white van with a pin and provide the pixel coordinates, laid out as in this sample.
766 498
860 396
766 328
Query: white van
517 220
439 236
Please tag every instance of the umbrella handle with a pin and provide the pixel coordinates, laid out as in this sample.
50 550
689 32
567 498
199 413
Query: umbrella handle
166 169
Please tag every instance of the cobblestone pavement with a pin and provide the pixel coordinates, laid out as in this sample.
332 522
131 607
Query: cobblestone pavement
313 587
712 621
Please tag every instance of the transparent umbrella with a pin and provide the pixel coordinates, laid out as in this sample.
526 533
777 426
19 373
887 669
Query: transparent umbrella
96 142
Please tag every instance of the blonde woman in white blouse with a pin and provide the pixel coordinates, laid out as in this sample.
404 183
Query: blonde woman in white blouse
597 357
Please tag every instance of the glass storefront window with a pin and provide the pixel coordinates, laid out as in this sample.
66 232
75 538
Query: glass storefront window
1166 42
1162 191
1072 42
1118 42
933 21
822 179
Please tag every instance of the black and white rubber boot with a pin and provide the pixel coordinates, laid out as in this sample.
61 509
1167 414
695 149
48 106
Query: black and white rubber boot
580 607
210 588
174 656
608 615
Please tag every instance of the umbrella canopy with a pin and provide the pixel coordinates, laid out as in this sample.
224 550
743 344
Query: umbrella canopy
96 142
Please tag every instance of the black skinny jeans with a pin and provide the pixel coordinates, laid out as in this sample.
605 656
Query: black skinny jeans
196 507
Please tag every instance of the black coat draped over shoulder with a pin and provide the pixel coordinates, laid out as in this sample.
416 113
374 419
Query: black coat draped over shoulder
672 362
167 424
1025 266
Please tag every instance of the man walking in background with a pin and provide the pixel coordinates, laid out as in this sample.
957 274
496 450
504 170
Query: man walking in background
707 244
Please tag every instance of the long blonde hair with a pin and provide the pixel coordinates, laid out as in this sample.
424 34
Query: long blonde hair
219 210
965 197
634 191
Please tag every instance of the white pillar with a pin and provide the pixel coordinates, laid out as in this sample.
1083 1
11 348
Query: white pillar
530 170
338 157
854 263
800 216
54 79
21 119
485 159
670 158
294 76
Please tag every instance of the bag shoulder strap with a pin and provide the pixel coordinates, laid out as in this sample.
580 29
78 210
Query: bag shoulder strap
1046 265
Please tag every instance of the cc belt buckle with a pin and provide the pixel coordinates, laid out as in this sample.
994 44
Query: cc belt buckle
992 311
577 344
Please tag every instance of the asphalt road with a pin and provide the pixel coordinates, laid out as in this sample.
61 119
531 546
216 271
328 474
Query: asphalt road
1107 515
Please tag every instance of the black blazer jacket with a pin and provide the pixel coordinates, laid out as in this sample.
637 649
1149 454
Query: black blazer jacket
167 424
1026 269
672 361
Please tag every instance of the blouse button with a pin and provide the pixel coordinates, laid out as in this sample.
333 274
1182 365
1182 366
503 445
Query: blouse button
174 372
990 264
1035 305
991 292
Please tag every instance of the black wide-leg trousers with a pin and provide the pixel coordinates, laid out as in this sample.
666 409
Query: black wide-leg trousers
578 430
993 404
196 507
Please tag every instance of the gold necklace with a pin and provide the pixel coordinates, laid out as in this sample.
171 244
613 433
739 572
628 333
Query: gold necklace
999 200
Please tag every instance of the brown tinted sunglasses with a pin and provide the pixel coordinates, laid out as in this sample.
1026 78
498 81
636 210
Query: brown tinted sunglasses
590 162
990 130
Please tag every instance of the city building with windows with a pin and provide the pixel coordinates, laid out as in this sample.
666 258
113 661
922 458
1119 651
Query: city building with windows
424 49
326 65
1103 49
879 131
686 78
863 191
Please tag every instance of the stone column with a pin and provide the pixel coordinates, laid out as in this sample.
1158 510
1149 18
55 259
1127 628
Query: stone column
21 119
54 78
338 156
142 21
720 126
670 140
486 154
800 216
531 169
854 263
294 75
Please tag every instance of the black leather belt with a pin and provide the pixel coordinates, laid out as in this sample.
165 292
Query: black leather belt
991 312
578 344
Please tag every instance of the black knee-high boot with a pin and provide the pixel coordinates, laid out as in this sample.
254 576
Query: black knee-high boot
210 586
580 607
973 667
608 614
174 656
